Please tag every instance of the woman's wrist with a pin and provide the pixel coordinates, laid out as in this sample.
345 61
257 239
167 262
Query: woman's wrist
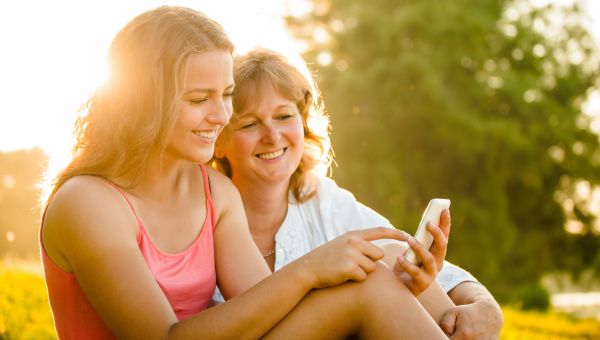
303 275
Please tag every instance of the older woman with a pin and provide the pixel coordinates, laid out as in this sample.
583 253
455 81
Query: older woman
272 150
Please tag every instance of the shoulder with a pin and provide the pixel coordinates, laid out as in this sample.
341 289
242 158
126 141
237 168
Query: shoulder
219 183
329 199
90 194
222 190
329 193
85 209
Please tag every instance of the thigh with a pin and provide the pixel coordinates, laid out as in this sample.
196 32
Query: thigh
327 313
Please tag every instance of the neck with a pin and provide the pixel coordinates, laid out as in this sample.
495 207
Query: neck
265 205
163 179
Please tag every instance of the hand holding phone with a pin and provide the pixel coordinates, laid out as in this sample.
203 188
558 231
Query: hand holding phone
432 214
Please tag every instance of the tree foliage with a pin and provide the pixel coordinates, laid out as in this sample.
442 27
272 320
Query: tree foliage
477 101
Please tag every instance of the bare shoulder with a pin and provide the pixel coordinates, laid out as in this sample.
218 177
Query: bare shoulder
84 210
221 187
85 198
225 195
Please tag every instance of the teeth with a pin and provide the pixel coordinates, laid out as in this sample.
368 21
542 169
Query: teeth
206 134
270 155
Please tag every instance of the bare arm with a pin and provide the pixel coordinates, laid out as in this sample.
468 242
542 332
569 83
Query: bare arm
477 316
90 231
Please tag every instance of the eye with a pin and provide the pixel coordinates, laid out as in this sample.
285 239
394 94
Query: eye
198 101
284 116
228 94
246 125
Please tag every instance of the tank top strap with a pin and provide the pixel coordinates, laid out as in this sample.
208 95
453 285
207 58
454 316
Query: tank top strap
128 202
209 202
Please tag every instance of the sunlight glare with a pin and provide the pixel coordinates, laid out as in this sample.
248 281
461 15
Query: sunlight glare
58 57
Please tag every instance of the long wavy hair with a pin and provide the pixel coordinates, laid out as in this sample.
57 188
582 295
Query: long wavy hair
133 113
260 70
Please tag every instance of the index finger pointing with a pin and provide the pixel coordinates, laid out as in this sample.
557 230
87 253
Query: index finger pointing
377 233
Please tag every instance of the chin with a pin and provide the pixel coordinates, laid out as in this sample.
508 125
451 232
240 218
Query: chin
201 157
278 177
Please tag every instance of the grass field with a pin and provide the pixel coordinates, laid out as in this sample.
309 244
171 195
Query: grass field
25 314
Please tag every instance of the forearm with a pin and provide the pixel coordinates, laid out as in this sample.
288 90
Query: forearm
473 293
435 301
470 292
253 313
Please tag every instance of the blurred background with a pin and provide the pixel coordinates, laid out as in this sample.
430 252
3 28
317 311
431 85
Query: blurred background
494 104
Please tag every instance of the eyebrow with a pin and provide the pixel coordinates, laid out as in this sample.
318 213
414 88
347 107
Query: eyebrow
207 90
253 111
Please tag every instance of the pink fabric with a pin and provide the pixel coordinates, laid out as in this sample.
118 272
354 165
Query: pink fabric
187 279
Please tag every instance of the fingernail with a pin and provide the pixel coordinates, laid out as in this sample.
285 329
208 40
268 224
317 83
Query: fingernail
411 240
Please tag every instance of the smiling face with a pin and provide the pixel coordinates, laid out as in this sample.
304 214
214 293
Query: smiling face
204 107
266 141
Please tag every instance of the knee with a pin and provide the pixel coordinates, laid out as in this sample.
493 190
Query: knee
382 283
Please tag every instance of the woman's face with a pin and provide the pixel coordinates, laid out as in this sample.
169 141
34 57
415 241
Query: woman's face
266 142
205 106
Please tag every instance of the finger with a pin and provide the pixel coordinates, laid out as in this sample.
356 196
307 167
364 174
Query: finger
378 233
372 251
449 321
440 244
429 263
445 222
358 274
420 250
420 278
367 264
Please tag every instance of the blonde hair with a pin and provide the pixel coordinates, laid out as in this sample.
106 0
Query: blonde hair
260 70
134 112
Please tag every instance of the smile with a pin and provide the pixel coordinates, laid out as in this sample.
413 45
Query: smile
271 155
207 134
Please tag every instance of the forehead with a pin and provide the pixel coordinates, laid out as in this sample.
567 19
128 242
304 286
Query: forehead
210 70
266 98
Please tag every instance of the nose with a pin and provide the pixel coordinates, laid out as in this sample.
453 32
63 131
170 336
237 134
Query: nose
221 112
270 133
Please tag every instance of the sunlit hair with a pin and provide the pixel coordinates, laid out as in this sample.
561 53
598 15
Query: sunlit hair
132 115
255 74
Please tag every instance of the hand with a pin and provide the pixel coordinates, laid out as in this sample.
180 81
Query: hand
418 278
478 320
348 257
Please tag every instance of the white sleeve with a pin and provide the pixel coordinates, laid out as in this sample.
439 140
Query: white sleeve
341 212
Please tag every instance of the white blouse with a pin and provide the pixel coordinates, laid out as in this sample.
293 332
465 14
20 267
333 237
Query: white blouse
330 213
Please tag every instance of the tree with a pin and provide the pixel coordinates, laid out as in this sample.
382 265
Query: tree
478 101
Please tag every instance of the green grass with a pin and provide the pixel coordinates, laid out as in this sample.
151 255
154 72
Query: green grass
25 313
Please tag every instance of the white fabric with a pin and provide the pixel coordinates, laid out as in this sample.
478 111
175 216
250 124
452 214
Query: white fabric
332 212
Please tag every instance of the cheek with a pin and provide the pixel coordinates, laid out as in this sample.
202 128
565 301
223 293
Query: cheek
296 133
241 144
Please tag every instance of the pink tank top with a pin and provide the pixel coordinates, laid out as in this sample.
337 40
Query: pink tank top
187 279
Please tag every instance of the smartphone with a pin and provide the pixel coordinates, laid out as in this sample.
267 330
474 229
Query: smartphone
432 214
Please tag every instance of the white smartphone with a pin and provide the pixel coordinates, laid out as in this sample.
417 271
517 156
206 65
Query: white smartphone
432 214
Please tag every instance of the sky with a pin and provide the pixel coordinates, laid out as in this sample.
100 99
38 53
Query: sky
53 56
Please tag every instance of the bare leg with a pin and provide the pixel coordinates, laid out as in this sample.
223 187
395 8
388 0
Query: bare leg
380 307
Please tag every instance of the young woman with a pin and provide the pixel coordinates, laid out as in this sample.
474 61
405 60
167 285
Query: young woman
277 139
137 232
